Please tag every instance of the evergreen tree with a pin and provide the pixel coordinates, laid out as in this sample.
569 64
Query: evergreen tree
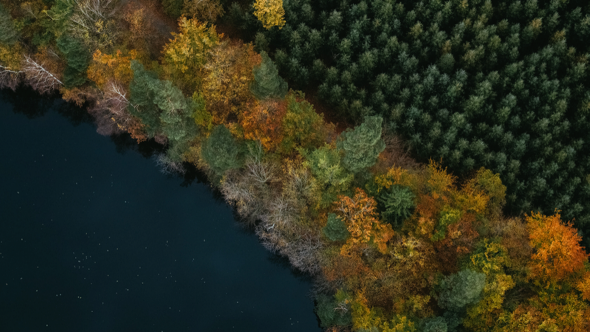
362 145
221 151
176 118
267 82
8 33
77 59
398 203
142 98
335 229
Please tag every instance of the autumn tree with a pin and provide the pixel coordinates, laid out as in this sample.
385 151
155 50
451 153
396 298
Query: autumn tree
221 151
303 127
186 54
263 122
270 12
267 82
108 67
490 258
333 179
362 145
93 22
228 75
203 10
141 28
558 253
360 215
10 66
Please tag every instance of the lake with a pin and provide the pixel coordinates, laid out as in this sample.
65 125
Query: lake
94 237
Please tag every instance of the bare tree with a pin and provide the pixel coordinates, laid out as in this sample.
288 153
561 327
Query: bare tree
168 166
9 78
303 253
38 77
281 211
93 18
240 191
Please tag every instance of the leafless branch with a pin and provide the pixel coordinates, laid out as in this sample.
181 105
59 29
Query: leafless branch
38 77
9 78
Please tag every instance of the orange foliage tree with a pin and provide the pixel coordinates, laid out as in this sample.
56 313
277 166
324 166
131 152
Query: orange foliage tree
360 215
557 248
263 122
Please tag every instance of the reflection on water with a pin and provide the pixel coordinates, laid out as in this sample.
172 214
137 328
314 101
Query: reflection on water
94 238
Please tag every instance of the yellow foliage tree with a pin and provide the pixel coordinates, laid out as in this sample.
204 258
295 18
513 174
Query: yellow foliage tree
270 12
226 84
107 67
186 54
204 10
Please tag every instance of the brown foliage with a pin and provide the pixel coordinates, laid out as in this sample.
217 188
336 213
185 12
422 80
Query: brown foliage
226 85
360 215
263 122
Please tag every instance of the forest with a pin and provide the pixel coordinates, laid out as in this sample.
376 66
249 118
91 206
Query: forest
423 161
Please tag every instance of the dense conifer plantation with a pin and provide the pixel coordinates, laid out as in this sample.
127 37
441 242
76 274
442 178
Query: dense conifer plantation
499 84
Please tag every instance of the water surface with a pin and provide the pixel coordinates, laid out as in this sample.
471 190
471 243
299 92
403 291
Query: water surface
93 237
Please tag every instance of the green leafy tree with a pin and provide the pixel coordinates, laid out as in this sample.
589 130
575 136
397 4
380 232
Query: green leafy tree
8 33
221 151
59 15
333 178
267 82
435 324
142 98
461 289
173 8
336 229
302 126
398 203
362 145
333 311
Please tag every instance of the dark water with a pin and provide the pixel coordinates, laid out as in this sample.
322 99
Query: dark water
94 238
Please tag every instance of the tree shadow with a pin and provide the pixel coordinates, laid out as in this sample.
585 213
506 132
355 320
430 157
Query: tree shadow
33 105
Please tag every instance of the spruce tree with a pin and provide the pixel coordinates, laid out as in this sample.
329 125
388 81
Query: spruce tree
267 82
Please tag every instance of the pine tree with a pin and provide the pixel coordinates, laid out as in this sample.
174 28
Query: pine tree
141 100
267 82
